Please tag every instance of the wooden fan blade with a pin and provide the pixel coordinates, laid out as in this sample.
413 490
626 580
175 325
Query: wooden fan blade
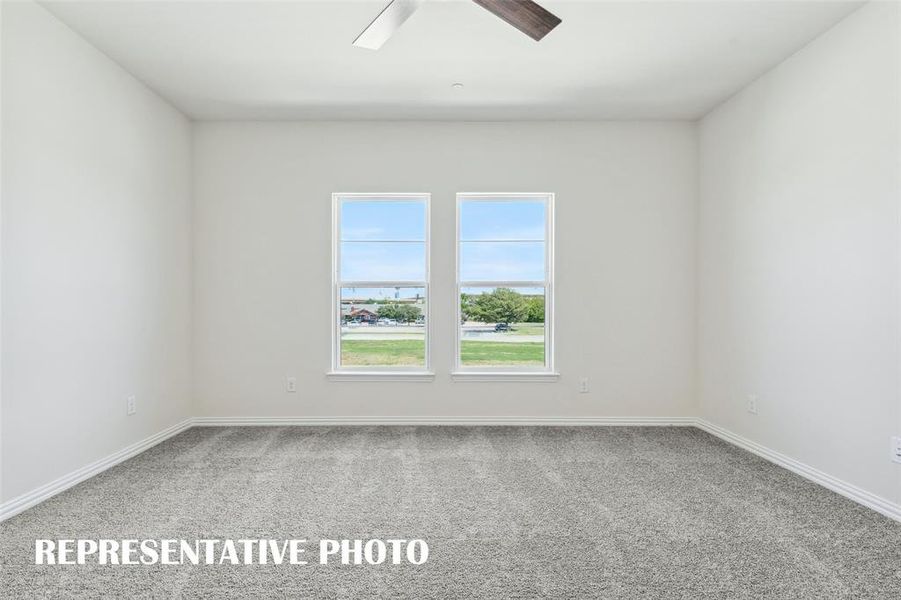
527 16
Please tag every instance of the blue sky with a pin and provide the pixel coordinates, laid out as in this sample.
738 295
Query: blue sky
383 220
493 245
405 220
485 220
380 293
504 261
382 261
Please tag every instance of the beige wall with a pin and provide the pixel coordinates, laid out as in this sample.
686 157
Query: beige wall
799 255
625 254
96 254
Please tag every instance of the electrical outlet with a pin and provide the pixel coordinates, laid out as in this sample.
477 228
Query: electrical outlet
291 384
131 405
896 448
583 385
752 404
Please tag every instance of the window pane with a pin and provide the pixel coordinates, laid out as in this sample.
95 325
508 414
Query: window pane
510 220
382 261
502 327
383 327
502 261
383 220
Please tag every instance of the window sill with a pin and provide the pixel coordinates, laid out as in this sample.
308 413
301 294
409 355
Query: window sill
542 377
369 376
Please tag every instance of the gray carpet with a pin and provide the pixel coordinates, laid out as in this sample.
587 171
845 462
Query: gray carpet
508 512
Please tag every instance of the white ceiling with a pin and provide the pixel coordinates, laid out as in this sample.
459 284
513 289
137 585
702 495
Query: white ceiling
294 59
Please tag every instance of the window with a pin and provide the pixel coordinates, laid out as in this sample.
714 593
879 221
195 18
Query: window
380 284
505 284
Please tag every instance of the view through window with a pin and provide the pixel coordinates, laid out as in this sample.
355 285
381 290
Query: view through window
381 281
504 281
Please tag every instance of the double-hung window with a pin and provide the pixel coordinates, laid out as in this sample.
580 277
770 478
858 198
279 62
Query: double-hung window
380 284
505 293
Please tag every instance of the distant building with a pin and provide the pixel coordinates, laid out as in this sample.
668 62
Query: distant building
359 314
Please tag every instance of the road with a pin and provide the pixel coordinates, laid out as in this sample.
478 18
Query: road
479 333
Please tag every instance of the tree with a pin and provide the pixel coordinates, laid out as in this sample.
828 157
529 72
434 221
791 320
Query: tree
409 313
502 305
466 306
535 308
402 313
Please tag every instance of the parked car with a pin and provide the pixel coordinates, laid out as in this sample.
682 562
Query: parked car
502 327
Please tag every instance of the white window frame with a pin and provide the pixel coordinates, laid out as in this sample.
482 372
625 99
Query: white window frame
376 372
546 372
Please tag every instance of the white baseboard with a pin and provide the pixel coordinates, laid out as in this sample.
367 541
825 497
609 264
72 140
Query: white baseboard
27 500
861 496
872 501
545 421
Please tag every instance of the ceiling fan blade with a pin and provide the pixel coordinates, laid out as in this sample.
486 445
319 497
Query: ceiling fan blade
384 25
527 16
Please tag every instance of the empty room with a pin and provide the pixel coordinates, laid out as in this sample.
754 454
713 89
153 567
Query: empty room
450 299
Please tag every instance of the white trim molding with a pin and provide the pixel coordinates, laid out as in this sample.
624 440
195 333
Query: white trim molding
18 504
506 376
442 420
848 490
363 376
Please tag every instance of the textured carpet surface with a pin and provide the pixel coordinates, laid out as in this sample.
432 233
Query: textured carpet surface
508 512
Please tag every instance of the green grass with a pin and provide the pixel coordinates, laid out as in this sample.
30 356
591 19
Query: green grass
357 353
502 353
527 329
383 352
